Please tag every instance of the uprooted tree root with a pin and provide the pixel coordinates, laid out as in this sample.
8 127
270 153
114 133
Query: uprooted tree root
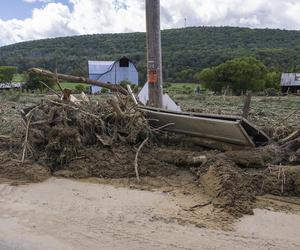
59 131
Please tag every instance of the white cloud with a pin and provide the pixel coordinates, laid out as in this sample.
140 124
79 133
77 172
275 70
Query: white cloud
92 16
111 16
250 13
250 21
293 11
50 21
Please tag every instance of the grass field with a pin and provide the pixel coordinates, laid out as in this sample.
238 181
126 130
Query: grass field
72 85
19 78
64 84
180 88
171 87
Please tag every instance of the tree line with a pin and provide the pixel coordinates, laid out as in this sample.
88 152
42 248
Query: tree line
185 51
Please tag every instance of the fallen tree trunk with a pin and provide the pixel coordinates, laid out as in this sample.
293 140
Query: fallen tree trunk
255 158
112 87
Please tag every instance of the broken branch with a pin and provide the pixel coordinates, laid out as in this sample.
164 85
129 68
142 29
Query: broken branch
52 90
112 87
25 145
136 159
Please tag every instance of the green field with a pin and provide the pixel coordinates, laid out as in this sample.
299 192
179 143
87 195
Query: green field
180 88
19 78
65 84
72 85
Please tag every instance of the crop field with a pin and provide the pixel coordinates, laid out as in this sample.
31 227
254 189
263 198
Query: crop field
265 111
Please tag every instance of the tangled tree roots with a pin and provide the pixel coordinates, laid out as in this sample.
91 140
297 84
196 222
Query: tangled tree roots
58 130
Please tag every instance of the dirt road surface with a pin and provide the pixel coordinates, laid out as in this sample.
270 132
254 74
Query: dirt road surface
66 214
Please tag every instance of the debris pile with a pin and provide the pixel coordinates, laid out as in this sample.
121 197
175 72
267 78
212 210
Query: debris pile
91 139
57 130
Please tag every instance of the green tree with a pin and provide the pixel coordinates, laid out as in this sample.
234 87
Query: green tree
297 69
273 80
7 73
34 82
242 74
208 78
186 75
193 47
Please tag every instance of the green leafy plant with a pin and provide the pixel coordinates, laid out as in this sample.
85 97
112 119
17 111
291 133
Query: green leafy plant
34 82
7 73
80 88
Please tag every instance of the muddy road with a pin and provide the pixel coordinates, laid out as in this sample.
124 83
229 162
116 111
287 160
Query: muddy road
66 214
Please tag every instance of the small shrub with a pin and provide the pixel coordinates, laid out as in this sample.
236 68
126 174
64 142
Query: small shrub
80 88
34 82
125 83
104 91
7 73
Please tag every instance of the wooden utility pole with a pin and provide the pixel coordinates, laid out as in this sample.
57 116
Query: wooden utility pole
154 59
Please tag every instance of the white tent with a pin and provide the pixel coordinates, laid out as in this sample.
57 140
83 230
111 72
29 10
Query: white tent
168 103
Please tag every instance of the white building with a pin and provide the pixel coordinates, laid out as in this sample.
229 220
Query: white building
112 72
14 85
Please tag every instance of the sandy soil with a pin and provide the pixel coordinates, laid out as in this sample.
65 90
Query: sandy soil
66 214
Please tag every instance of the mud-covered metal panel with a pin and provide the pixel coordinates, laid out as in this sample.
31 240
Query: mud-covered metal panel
217 129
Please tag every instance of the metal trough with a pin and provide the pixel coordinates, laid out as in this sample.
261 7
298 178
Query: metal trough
230 129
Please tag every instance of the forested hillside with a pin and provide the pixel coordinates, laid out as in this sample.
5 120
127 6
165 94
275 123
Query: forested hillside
185 51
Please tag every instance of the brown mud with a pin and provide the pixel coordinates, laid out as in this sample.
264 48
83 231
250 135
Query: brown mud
116 162
101 141
13 172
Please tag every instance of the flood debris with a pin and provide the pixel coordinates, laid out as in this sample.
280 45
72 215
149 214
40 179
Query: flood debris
58 130
116 139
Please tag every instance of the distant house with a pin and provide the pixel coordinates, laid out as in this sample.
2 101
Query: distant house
112 72
15 85
290 82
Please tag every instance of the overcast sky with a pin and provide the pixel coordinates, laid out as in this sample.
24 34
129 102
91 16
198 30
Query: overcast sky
22 20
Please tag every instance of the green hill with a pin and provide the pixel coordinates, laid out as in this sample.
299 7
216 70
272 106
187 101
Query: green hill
192 48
